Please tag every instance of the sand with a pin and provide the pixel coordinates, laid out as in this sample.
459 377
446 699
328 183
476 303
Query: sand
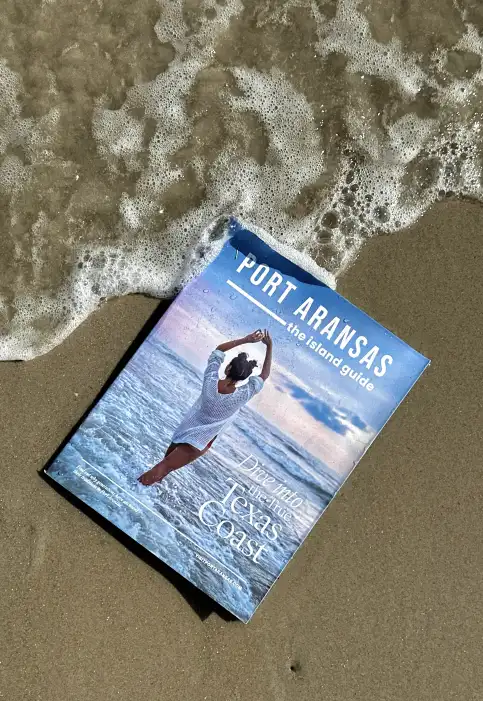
382 603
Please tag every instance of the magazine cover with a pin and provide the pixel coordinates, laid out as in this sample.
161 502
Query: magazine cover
237 420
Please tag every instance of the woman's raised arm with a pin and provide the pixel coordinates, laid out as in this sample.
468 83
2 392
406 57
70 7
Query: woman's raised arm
267 363
251 338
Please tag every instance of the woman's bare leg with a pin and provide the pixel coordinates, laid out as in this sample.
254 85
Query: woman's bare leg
184 455
170 449
179 456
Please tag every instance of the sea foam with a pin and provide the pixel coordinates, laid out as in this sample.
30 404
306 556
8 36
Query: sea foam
306 124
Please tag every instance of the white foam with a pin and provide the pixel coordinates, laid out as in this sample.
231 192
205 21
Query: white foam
12 174
349 33
387 169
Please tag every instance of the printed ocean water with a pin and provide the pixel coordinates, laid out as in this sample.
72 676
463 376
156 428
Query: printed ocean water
234 424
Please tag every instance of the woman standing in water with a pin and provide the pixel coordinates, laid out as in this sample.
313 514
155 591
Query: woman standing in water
218 403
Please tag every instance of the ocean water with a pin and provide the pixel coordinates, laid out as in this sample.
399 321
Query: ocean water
128 128
130 429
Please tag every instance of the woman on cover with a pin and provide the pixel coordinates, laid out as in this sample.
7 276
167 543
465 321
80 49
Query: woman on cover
217 405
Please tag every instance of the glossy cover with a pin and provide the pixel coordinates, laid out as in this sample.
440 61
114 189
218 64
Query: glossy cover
231 518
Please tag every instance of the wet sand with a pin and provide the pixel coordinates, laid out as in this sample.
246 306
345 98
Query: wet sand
383 602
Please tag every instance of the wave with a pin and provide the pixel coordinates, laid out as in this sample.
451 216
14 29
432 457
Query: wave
121 143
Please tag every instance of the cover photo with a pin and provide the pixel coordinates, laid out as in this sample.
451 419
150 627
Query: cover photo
235 423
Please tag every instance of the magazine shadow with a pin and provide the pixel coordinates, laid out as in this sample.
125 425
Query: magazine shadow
200 602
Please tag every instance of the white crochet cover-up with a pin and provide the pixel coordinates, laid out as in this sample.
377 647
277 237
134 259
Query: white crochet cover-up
212 411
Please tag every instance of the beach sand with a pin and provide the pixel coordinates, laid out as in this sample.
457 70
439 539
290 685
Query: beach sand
382 603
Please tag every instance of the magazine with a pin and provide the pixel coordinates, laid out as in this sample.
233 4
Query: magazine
235 423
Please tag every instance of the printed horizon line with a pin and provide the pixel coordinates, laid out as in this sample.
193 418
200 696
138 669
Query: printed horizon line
161 518
257 303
